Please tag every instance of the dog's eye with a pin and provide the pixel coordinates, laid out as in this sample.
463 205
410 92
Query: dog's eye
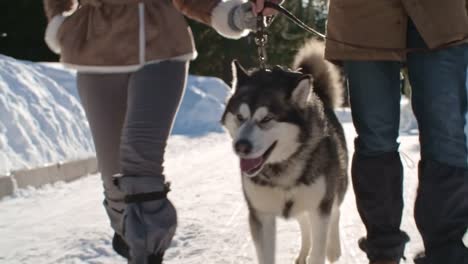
240 118
266 119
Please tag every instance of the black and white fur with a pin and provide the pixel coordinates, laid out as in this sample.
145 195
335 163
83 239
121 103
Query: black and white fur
292 151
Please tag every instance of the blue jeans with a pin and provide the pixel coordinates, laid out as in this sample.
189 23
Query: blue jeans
439 100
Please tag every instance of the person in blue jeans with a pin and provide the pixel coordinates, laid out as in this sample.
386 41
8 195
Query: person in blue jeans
371 39
439 99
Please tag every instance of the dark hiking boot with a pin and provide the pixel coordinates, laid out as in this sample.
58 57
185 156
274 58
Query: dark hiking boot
441 212
378 185
450 253
391 253
120 246
155 259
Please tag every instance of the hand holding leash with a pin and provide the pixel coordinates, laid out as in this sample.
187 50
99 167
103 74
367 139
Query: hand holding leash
245 16
258 6
242 17
252 16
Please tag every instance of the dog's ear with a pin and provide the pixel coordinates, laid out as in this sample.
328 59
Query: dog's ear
303 91
239 75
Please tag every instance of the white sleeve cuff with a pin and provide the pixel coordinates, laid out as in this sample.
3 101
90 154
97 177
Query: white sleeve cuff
52 32
220 16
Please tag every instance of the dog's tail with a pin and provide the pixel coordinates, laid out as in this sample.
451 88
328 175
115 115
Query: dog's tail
327 83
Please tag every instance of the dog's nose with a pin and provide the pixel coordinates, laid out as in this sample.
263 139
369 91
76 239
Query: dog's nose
243 147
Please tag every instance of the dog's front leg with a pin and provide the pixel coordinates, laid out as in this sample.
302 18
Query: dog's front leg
263 230
319 222
304 224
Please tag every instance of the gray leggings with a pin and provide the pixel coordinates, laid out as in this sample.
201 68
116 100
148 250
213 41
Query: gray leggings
131 116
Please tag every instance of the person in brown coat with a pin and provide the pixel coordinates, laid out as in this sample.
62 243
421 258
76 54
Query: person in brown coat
369 38
372 39
131 57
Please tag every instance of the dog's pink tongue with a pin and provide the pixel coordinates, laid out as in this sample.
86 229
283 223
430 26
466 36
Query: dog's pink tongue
250 164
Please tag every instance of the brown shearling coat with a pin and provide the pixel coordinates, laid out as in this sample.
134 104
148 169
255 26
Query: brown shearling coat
383 24
114 33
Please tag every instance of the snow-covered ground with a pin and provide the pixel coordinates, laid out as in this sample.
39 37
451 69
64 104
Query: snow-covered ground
66 223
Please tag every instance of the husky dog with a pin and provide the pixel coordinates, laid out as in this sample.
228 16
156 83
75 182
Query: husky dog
292 152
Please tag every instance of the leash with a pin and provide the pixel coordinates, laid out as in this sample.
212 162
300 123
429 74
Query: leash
261 39
280 9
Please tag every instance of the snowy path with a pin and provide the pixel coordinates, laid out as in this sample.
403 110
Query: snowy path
65 223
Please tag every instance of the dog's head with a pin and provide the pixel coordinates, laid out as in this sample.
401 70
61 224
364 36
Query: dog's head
265 115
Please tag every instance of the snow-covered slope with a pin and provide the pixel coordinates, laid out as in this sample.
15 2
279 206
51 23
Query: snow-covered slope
42 121
202 106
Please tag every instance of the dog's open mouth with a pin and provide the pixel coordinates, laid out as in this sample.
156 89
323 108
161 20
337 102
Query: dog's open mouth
251 167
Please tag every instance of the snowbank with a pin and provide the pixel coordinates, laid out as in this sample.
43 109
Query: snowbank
42 121
202 106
